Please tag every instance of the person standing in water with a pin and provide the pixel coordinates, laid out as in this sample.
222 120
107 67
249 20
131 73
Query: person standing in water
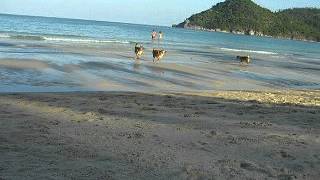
160 34
153 35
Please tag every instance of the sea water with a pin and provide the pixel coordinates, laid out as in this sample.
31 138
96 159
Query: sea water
40 54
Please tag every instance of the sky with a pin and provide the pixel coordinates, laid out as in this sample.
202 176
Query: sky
153 12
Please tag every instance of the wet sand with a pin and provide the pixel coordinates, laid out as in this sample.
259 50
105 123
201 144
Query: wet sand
58 67
127 135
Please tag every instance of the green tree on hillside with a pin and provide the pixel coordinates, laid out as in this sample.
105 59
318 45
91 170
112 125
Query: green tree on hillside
245 15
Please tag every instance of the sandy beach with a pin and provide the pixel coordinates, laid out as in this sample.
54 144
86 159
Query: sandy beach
127 135
76 104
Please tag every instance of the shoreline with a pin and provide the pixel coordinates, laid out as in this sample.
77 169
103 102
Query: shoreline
201 29
305 97
121 135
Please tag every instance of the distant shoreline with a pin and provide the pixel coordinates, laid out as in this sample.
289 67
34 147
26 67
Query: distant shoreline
247 17
201 29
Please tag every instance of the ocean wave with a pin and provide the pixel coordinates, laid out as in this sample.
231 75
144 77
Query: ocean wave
56 38
4 35
83 40
248 51
27 37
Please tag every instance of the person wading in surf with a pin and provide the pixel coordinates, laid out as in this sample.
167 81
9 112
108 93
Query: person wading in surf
153 35
160 34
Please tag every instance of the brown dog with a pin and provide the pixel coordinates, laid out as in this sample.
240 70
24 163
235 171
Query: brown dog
244 59
158 54
139 50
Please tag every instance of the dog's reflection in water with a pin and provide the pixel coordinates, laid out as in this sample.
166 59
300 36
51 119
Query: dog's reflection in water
137 66
156 70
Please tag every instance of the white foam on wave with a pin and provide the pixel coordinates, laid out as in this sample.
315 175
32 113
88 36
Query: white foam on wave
4 36
248 51
65 39
58 38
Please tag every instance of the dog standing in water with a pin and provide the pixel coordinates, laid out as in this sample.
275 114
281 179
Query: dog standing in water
158 54
139 50
244 59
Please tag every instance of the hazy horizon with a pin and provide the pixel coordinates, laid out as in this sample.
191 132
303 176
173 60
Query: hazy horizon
164 13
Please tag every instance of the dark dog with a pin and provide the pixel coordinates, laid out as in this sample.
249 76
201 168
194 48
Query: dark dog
244 59
158 54
139 50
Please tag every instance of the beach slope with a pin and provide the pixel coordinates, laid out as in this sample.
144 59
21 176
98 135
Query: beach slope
119 135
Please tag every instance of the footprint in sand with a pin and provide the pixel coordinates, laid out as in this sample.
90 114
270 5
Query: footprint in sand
282 154
54 122
132 135
242 140
202 145
317 156
210 134
255 124
193 173
286 155
103 111
193 115
149 109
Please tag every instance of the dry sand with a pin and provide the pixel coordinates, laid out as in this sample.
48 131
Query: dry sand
119 135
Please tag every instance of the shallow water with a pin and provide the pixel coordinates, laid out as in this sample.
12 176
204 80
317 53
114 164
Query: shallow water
50 54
